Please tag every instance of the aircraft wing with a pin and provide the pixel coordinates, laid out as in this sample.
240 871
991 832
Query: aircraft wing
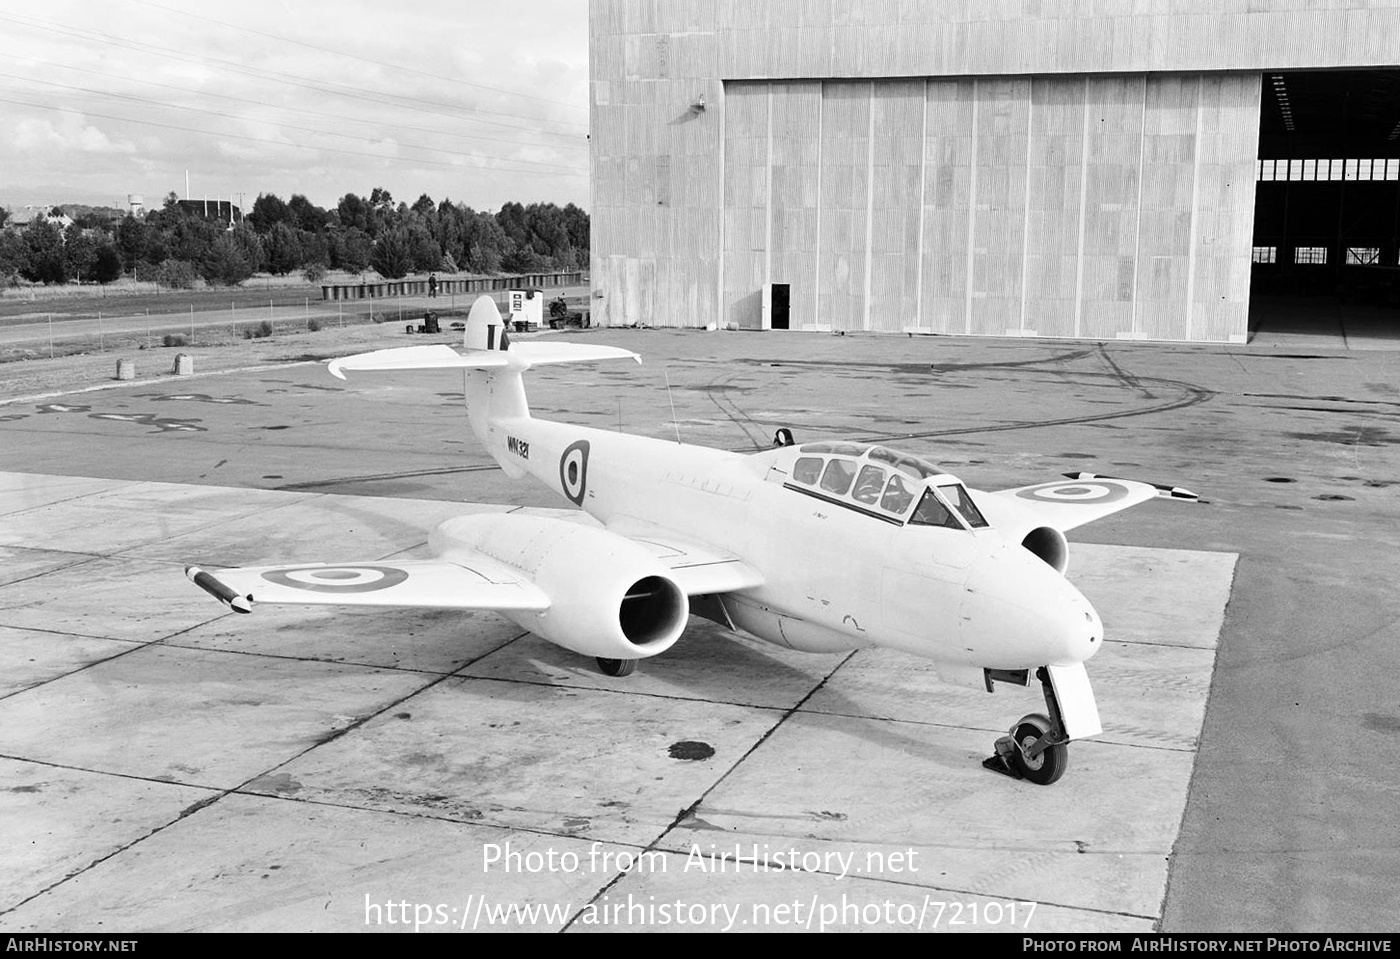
480 583
697 569
1065 504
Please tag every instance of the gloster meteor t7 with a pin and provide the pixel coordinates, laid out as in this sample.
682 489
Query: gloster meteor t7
820 547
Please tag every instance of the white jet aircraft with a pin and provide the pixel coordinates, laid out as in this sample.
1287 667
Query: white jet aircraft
821 547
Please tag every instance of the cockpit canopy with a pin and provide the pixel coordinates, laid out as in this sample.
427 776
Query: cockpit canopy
884 483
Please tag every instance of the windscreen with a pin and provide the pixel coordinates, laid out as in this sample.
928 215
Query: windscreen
962 502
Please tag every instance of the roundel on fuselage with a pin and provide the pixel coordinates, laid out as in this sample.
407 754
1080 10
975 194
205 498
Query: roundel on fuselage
573 471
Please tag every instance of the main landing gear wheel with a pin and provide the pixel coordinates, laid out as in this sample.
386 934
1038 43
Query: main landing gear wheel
617 667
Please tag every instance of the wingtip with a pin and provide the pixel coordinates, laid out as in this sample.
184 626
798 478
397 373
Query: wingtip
1163 490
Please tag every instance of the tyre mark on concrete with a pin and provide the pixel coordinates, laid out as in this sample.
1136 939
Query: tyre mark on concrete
381 477
735 415
1124 377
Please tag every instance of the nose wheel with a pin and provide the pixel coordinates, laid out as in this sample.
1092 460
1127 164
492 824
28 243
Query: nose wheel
1036 749
1030 752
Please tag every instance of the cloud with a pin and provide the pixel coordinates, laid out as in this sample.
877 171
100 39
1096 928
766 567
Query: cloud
446 97
70 133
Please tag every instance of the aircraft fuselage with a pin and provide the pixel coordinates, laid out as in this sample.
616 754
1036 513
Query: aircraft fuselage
837 576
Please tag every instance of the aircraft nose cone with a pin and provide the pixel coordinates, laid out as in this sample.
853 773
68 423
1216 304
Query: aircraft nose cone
1081 635
1020 613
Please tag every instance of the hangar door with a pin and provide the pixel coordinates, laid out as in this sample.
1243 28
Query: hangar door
1327 215
1104 206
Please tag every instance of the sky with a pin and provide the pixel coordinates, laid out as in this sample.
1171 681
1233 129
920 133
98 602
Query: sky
478 101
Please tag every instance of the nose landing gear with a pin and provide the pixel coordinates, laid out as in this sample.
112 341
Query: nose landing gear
1036 748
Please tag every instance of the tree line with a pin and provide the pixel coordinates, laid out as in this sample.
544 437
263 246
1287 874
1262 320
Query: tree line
178 244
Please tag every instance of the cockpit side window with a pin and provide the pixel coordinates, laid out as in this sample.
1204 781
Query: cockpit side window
868 485
838 476
807 469
897 496
962 502
932 512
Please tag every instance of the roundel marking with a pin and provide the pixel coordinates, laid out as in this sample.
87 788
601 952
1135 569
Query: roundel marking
573 471
337 579
1099 491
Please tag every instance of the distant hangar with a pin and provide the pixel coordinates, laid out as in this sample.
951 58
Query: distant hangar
1122 169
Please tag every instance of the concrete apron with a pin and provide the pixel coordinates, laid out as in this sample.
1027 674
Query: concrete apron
172 766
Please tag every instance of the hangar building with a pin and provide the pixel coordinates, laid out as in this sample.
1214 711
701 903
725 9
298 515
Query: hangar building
1075 168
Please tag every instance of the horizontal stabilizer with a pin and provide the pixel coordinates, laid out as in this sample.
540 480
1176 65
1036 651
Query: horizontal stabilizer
543 352
520 356
439 357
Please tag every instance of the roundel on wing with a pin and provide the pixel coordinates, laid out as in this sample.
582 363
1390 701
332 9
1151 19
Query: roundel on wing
1089 491
573 471
337 579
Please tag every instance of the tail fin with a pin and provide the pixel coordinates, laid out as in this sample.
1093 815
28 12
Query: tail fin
485 328
488 347
492 364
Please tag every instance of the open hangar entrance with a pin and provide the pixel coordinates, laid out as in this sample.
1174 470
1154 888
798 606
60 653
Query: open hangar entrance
1327 204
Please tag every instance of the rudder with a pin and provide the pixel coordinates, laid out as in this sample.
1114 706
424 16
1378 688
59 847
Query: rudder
485 328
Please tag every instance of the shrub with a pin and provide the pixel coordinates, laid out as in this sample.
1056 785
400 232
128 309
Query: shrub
226 263
314 325
264 329
314 272
174 339
392 257
108 265
177 274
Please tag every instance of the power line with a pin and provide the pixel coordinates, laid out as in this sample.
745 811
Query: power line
352 56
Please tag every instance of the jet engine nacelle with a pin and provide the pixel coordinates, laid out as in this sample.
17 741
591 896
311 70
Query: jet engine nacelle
1050 545
608 596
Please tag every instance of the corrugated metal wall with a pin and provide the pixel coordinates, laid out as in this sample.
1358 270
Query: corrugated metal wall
747 210
845 202
796 188
1106 206
1068 169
